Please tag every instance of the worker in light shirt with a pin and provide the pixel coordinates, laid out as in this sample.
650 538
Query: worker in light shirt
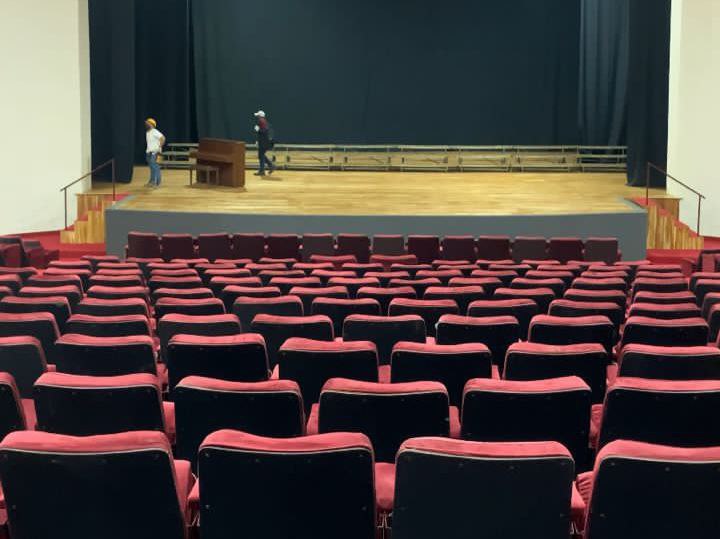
155 142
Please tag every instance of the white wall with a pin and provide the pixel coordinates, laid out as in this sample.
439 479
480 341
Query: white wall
44 110
694 119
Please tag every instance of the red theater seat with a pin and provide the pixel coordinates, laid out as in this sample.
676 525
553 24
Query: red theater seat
670 362
187 293
207 326
450 364
659 285
206 405
105 356
493 247
505 276
388 414
214 246
111 292
231 293
428 310
425 248
666 298
669 312
238 358
556 285
388 244
523 489
246 308
419 285
91 405
523 309
84 275
285 284
58 306
339 309
23 359
13 282
177 246
529 248
219 283
317 244
659 332
600 296
250 246
547 329
531 361
412 269
496 332
541 296
565 249
388 261
601 250
12 414
116 280
312 363
174 282
444 275
72 293
606 283
41 326
569 308
327 483
679 413
108 326
357 245
459 248
385 295
488 284
278 329
384 277
672 491
463 296
283 246
209 306
556 409
384 332
143 245
99 474
308 295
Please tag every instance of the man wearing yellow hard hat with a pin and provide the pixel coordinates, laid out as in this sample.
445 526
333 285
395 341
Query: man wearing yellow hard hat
155 142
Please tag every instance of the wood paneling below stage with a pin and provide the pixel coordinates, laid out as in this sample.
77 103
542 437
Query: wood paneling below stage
388 193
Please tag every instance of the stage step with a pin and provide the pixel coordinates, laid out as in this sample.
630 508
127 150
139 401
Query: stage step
89 228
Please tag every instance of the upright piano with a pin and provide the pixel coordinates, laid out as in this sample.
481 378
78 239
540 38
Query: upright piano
226 155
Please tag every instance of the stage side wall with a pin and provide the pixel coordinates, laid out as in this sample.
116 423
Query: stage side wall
45 110
630 227
694 110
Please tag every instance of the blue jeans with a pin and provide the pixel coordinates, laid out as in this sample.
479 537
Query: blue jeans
264 160
154 168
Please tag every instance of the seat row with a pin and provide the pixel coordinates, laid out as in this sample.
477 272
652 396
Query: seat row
329 486
424 247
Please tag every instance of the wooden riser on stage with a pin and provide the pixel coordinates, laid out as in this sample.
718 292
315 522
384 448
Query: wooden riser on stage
90 224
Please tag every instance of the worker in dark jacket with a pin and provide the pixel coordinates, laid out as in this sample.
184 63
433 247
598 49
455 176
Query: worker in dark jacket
265 142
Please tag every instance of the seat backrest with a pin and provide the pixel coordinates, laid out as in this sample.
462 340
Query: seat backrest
326 483
205 405
529 248
573 309
541 296
210 326
246 308
57 474
339 309
124 292
240 358
532 361
495 332
565 249
670 362
663 491
388 414
388 244
58 306
548 329
357 245
384 331
425 248
312 363
90 405
278 329
22 358
143 245
523 309
557 409
522 489
177 246
12 416
105 356
459 248
659 332
42 326
108 326
209 306
429 310
283 246
450 364
112 307
250 246
680 413
493 247
214 246
601 250
600 296
669 312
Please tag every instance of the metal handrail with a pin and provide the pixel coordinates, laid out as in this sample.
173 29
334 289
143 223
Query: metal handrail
110 162
650 167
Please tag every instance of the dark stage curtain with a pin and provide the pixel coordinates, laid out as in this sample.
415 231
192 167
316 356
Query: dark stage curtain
400 72
604 42
112 84
648 88
140 67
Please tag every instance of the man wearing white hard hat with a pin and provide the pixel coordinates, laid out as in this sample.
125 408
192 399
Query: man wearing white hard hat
265 142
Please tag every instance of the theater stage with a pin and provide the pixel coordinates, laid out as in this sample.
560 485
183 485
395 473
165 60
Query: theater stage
537 203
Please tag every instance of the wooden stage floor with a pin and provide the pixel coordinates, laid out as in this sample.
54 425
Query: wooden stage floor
387 193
